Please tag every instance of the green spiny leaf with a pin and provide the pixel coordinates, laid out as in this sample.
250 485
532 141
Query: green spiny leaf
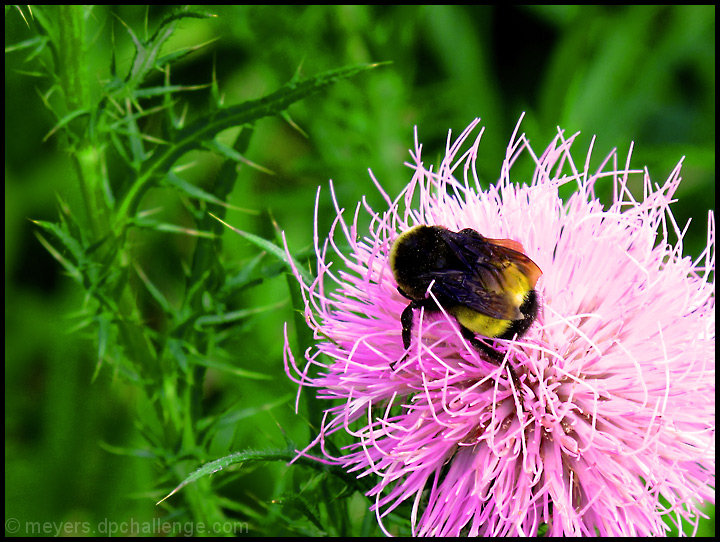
231 369
207 127
181 15
191 190
234 316
253 456
271 248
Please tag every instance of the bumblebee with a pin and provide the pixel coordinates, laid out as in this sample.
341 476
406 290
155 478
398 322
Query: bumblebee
486 284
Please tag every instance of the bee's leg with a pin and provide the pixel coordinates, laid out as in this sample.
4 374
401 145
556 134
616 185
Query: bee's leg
495 356
406 319
404 294
481 346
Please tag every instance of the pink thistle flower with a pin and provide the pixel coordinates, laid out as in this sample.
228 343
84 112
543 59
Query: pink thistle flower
611 424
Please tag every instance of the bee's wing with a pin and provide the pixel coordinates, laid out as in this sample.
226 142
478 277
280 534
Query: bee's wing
515 253
492 273
462 288
487 255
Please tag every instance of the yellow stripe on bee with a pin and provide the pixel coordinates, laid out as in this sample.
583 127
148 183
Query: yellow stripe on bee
515 284
480 323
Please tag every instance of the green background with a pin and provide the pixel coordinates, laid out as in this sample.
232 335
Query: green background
643 74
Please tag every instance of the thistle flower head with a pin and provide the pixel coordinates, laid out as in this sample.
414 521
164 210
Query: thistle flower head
609 424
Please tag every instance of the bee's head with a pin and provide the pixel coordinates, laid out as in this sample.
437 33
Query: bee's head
416 255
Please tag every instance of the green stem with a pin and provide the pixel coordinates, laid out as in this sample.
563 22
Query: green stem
89 166
176 395
71 56
72 61
90 159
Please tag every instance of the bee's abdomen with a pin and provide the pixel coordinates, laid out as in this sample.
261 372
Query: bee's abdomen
480 323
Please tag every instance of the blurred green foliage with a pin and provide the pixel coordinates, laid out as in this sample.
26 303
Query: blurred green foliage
74 453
